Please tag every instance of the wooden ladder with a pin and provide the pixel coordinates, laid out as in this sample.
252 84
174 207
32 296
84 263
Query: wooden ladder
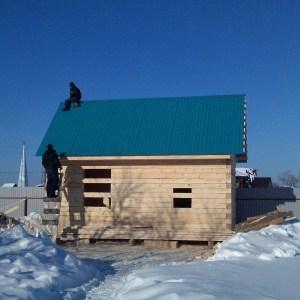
51 212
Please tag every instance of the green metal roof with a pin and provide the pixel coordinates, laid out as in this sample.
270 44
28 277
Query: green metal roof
154 126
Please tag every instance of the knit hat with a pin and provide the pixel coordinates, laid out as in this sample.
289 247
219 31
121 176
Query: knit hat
49 147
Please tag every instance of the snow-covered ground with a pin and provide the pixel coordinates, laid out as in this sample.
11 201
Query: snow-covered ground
256 265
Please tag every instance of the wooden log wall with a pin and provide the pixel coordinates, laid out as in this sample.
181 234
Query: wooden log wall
176 199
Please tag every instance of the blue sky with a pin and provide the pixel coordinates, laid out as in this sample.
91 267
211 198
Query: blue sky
129 49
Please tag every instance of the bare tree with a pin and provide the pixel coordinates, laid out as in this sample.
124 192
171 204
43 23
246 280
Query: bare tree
287 178
275 184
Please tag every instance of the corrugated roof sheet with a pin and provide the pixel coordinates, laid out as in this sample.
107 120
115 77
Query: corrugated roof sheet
153 126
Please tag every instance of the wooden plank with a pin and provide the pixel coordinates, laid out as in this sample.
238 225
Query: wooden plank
49 222
125 210
66 193
261 224
168 235
203 215
167 191
213 207
148 201
10 223
253 218
51 211
128 210
159 243
165 207
57 199
163 186
141 237
54 233
125 228
142 163
147 157
153 193
141 175
201 206
108 221
97 194
11 209
155 168
178 169
156 180
99 217
174 225
82 242
217 171
170 174
154 163
158 226
73 202
151 219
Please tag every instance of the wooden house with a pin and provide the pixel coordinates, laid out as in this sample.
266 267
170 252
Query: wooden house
149 169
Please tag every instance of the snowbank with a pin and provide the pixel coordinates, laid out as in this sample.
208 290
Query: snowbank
31 267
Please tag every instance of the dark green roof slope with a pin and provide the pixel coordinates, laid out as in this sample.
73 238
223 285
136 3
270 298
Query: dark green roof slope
154 126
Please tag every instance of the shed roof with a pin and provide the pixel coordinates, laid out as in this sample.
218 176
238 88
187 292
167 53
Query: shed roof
198 125
9 184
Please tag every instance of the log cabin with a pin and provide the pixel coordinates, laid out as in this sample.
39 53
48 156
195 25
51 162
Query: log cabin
149 169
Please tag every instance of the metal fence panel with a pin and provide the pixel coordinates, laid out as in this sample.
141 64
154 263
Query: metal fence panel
11 197
249 202
252 202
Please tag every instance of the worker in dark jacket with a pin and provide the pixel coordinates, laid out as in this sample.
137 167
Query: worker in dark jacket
51 164
75 96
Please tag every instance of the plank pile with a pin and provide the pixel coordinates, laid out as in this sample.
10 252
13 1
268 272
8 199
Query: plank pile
7 222
258 222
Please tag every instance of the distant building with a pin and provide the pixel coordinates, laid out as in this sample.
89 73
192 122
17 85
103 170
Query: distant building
262 182
245 177
9 185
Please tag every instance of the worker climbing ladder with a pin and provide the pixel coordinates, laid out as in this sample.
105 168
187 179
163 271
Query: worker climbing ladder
51 212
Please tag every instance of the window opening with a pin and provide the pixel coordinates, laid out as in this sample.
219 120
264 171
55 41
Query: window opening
97 173
182 190
95 202
182 202
97 187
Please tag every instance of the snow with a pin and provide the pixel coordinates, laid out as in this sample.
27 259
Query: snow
245 172
255 265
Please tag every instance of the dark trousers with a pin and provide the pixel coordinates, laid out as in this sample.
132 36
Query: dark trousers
69 101
52 182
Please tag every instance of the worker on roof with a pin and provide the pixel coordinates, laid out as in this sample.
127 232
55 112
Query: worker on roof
75 97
